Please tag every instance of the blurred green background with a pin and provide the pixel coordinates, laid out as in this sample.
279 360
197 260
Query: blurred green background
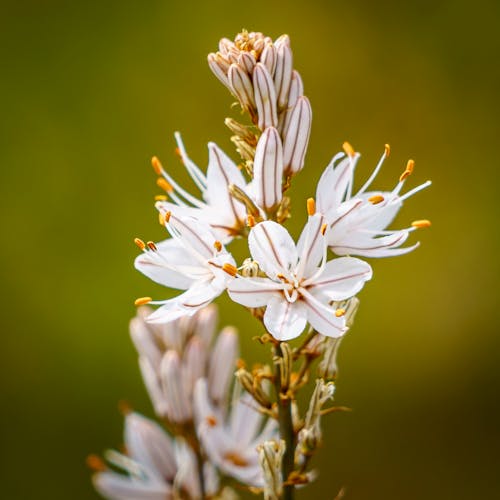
91 90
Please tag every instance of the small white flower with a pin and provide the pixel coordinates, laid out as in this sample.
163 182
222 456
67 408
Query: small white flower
231 442
192 260
299 284
358 221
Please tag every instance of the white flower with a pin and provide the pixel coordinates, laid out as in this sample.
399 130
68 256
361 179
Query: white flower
231 442
192 260
358 221
156 467
299 284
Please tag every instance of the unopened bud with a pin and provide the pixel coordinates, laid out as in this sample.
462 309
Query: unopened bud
270 458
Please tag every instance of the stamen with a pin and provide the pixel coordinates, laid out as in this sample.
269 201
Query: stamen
324 228
376 199
408 171
167 216
387 150
164 184
236 459
281 277
140 243
420 224
155 162
339 312
250 220
211 421
229 269
161 219
152 246
311 206
96 463
141 301
218 245
161 197
124 407
349 150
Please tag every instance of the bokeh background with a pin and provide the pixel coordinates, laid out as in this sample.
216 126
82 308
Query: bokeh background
90 90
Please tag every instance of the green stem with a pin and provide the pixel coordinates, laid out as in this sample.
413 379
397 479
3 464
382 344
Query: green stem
286 430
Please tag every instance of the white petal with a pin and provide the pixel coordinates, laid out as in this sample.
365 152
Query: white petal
311 246
119 487
160 266
285 320
284 69
144 340
273 248
322 318
253 292
268 169
174 387
245 420
149 445
341 279
265 97
194 362
152 383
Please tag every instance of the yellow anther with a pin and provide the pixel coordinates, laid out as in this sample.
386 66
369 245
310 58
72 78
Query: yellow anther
167 216
164 184
142 301
387 150
229 269
281 276
96 463
420 224
155 162
152 246
323 228
339 312
376 199
240 363
179 154
161 197
218 245
311 206
161 219
349 150
124 407
250 220
140 243
236 459
408 171
211 421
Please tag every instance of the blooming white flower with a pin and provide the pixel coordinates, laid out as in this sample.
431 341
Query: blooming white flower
230 442
358 221
156 467
299 284
192 260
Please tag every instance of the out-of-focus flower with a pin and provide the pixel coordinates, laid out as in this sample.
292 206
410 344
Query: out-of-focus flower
155 467
231 441
192 260
173 356
299 284
358 221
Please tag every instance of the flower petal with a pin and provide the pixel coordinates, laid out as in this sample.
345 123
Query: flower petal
119 487
253 292
322 318
273 248
285 320
311 246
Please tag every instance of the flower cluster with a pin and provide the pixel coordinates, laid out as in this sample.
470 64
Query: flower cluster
309 285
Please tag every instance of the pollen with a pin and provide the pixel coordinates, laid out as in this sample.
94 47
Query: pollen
323 229
339 312
349 150
420 224
376 199
179 154
250 220
152 246
387 150
141 301
140 243
164 184
161 197
408 171
311 206
236 459
161 219
167 216
229 269
155 162
211 421
96 463
218 245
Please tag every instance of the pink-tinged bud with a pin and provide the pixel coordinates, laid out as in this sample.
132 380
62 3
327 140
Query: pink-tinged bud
149 445
265 97
296 91
194 362
268 169
153 387
205 323
222 364
269 57
179 407
284 69
246 61
241 86
220 68
144 342
297 136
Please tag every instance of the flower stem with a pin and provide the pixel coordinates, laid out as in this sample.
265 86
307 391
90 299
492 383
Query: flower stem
286 429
